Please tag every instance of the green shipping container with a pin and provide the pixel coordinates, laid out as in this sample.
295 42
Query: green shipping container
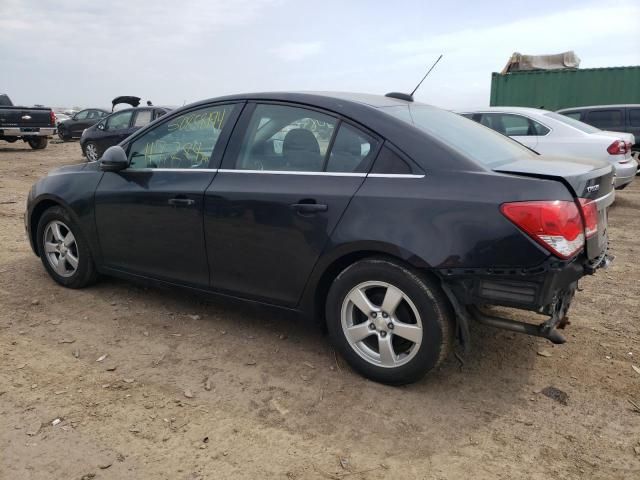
555 89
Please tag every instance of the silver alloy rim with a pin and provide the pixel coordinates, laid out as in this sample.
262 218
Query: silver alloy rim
60 248
92 152
381 324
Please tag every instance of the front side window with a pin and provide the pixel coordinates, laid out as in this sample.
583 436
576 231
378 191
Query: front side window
118 121
142 118
605 118
634 118
286 139
81 115
185 141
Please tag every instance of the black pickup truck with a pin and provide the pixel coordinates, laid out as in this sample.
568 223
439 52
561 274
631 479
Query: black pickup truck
33 125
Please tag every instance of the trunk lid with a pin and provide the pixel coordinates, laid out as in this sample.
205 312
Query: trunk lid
590 179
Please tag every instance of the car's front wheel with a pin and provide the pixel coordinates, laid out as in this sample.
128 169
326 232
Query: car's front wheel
63 134
392 324
92 152
63 249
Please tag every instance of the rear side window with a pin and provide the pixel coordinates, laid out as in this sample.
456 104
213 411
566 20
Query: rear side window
574 115
605 118
513 125
142 118
283 138
634 117
351 151
390 162
483 145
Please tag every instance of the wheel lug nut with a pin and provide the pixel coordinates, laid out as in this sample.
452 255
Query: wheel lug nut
374 314
390 326
383 334
372 326
384 315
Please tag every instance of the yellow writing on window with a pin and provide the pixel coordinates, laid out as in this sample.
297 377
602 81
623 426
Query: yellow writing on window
199 121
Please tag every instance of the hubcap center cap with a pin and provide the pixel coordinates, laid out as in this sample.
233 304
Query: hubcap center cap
380 323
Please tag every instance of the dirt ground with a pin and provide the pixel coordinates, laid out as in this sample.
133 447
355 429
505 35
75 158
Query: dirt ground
122 381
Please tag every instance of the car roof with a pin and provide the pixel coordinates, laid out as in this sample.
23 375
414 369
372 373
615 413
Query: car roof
591 107
529 110
320 99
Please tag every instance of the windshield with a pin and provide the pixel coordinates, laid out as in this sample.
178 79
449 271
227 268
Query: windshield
572 122
475 141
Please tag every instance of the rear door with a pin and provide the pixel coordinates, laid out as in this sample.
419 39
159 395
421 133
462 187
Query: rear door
633 122
287 177
607 119
149 216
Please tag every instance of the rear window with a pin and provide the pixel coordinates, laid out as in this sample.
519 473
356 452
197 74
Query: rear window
572 122
479 143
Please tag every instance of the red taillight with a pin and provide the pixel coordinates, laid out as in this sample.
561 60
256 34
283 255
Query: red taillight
618 147
590 215
556 225
52 117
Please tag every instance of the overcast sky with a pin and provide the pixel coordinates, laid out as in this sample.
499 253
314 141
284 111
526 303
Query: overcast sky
66 53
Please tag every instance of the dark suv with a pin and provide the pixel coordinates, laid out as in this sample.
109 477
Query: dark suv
114 128
615 118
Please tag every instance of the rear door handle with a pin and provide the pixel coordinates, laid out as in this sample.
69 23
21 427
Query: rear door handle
181 202
303 208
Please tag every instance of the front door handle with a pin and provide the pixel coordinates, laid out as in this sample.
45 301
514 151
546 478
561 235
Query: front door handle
181 202
309 207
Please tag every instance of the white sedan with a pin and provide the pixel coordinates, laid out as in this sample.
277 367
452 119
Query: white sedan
550 133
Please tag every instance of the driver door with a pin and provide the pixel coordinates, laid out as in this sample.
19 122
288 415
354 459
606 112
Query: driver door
150 215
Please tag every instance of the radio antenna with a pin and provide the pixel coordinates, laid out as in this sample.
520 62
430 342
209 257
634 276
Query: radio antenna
432 67
409 97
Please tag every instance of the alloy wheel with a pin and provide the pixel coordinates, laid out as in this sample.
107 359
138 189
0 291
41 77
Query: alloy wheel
381 324
60 248
91 151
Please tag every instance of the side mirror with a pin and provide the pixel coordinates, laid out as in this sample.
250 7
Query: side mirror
114 159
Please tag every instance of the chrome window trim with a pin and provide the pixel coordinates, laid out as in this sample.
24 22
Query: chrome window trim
396 175
278 172
293 172
171 170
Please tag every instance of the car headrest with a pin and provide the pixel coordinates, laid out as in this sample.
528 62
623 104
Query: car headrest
300 139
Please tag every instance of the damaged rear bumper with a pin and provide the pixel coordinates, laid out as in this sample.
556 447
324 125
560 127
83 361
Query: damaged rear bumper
547 290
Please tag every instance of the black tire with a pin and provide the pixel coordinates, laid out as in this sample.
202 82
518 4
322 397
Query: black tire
62 134
436 316
38 143
85 274
88 149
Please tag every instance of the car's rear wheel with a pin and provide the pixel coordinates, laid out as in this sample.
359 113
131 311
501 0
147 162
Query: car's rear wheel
38 143
63 249
392 324
92 152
